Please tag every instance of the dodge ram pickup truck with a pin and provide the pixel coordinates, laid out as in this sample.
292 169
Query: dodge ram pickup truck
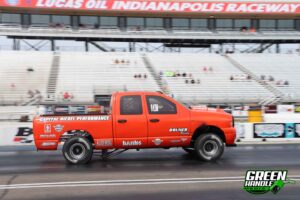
137 120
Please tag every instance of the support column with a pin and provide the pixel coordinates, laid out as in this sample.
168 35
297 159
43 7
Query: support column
131 46
221 48
86 46
16 44
53 48
277 48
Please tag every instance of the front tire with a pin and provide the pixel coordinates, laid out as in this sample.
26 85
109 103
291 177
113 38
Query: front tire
209 147
78 150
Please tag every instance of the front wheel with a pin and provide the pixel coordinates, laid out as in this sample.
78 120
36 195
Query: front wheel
209 147
78 150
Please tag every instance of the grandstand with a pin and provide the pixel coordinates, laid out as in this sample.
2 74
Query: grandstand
215 86
85 75
21 72
55 76
283 68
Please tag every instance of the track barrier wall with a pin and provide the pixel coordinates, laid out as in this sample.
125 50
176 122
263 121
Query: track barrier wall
15 133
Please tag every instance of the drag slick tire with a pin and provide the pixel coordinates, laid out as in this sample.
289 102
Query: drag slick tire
78 150
209 147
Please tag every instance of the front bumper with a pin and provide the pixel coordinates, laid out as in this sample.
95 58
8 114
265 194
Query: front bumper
230 136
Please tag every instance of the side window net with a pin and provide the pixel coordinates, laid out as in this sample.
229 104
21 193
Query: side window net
131 105
160 105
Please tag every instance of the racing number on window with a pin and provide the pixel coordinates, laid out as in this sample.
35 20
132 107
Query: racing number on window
131 105
160 105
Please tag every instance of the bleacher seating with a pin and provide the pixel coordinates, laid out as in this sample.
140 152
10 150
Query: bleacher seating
283 67
84 75
80 73
214 86
16 112
16 80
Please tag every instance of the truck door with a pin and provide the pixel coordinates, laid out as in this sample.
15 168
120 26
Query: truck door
168 122
130 122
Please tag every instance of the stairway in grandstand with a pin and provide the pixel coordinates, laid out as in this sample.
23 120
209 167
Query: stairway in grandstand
281 67
278 95
214 86
86 74
163 86
52 82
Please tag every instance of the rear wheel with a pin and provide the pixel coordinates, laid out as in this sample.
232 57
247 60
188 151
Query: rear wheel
209 147
78 150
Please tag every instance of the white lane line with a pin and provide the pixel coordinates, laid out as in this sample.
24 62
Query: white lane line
116 184
126 182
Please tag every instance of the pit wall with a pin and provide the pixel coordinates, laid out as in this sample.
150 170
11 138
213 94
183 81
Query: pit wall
15 133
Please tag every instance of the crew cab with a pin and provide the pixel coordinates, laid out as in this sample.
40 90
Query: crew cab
137 120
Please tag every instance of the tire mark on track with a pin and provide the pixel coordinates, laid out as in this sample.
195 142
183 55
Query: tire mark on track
9 182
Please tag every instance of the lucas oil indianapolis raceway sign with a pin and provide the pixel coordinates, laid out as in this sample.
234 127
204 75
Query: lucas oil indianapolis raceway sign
184 6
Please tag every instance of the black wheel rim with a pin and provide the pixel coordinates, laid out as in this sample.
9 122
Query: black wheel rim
210 148
77 151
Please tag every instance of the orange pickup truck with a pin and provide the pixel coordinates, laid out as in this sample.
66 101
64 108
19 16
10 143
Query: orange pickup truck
137 120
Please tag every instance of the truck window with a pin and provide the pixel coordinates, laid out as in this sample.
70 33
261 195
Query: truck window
160 105
131 105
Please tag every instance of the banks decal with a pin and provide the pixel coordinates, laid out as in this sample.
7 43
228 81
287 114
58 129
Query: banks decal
132 143
24 135
264 181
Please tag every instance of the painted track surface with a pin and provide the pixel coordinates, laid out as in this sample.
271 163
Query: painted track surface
148 174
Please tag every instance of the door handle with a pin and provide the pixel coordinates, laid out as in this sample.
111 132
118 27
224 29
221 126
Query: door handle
154 120
122 121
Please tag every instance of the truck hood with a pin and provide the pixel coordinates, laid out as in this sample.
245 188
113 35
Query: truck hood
211 111
205 109
211 115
